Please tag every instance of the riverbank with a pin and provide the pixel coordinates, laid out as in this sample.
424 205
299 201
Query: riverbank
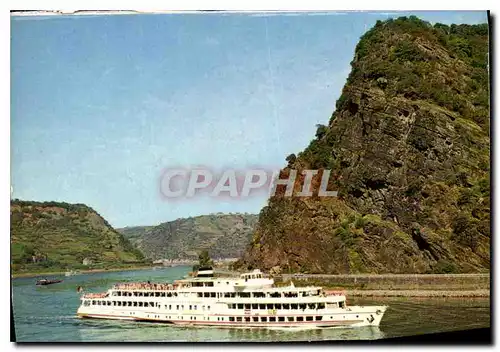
418 293
88 271
397 285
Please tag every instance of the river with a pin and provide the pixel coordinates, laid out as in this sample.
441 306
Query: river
48 314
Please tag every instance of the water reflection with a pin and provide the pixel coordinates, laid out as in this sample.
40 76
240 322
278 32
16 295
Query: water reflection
97 330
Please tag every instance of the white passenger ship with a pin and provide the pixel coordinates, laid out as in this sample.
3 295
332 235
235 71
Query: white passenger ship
250 300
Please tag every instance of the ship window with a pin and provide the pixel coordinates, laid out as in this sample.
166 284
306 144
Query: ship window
119 293
208 308
135 304
272 319
247 319
278 306
293 294
281 318
238 319
240 306
114 303
190 307
109 303
212 294
312 305
286 306
86 303
341 304
130 304
157 294
151 304
300 318
93 303
247 306
244 294
259 294
200 294
162 294
290 319
275 294
140 304
210 284
255 306
302 306
309 318
321 305
263 319
177 307
195 307
269 306
255 319
319 317
262 306
231 318
170 307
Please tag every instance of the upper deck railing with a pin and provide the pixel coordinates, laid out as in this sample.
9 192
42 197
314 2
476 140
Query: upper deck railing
145 286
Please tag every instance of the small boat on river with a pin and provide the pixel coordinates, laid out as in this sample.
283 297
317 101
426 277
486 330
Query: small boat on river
45 282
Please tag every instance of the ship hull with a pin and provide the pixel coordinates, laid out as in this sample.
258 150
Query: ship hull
354 317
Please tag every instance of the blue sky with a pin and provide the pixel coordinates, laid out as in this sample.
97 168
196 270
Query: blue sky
100 105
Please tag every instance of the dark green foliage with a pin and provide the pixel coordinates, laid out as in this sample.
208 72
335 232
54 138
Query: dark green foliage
408 51
445 267
204 261
465 230
321 130
291 159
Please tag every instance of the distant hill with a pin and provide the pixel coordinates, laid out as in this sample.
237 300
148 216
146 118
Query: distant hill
223 235
53 235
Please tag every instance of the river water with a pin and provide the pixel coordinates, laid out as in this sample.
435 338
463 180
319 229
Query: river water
48 313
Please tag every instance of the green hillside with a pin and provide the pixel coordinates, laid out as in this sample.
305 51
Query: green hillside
56 236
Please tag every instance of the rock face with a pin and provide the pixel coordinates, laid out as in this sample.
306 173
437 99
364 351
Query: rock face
408 146
223 235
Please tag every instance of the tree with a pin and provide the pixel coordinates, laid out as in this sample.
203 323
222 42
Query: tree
291 159
204 260
321 130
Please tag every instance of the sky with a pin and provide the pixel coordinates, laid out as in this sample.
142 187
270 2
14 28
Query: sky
102 105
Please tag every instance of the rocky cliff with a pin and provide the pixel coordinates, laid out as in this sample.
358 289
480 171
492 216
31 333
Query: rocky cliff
409 149
223 235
